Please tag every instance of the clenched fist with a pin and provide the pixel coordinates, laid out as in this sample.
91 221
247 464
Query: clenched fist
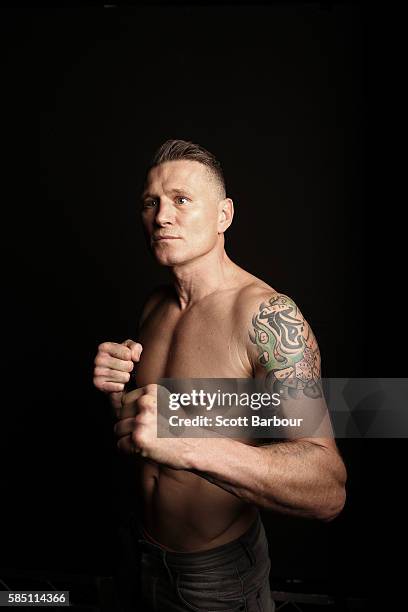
137 431
113 365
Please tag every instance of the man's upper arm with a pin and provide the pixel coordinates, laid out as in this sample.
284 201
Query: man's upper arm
284 351
282 344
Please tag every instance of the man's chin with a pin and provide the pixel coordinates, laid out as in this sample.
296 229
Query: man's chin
168 260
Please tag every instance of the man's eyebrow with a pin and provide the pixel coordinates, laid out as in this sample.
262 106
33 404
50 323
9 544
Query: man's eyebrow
146 195
174 190
182 190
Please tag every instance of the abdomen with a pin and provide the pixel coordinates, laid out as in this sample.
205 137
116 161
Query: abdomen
185 512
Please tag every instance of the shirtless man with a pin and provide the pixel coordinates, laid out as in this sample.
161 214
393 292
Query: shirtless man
202 542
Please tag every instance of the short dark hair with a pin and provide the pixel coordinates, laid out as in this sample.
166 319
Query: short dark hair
174 150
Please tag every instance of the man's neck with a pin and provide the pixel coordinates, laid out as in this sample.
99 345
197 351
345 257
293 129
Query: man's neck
197 279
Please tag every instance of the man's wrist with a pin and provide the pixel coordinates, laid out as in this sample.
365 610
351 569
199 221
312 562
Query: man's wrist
115 400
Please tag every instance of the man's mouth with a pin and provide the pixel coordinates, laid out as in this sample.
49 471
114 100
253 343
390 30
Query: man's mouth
158 238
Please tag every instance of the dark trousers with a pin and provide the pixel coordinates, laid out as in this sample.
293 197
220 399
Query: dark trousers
231 577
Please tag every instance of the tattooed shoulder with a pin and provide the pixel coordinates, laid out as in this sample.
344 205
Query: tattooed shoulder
287 350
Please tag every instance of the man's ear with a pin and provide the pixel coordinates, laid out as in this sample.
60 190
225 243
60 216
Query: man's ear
226 214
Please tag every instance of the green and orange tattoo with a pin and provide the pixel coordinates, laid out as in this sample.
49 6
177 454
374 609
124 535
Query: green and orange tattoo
288 349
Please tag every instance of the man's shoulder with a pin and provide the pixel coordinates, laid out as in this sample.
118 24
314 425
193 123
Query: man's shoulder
275 331
260 301
256 295
258 304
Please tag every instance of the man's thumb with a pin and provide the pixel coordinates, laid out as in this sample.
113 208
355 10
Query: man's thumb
135 348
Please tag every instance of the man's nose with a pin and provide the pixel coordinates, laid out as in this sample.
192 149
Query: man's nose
164 213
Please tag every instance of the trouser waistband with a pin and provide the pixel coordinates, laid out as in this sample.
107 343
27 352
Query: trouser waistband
210 559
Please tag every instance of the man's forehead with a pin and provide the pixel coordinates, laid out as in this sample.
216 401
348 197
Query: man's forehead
186 173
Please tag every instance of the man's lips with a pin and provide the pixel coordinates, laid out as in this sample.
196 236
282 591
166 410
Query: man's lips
157 238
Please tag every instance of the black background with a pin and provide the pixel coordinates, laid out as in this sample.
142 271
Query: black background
279 94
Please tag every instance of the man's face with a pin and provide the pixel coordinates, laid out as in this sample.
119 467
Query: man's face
180 208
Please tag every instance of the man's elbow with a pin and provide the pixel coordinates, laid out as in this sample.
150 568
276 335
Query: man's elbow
330 511
334 499
335 495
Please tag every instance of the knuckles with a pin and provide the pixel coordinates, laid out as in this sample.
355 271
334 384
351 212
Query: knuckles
104 347
147 402
107 386
139 438
151 389
97 382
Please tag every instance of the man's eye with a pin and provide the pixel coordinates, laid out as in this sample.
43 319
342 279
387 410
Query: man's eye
149 203
182 198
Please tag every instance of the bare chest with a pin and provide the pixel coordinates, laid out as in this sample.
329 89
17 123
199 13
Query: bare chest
203 343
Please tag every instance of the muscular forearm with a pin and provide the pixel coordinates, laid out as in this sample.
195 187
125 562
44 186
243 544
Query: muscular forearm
300 478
